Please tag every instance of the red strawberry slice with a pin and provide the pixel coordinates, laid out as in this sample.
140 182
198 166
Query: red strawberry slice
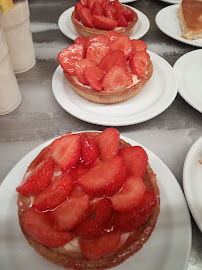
114 58
104 3
86 18
69 56
112 35
122 22
44 154
128 15
97 9
94 77
135 218
94 224
66 151
104 23
139 63
103 178
71 212
91 3
55 193
89 150
98 39
81 40
96 51
118 5
136 160
109 11
34 181
78 6
95 248
130 196
108 143
80 67
138 45
84 2
39 227
116 78
123 43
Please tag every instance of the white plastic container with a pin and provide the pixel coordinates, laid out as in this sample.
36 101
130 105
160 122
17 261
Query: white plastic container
10 96
16 26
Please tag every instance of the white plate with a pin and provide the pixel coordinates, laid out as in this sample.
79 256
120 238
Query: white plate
168 22
188 69
156 96
192 175
167 248
67 28
172 1
126 1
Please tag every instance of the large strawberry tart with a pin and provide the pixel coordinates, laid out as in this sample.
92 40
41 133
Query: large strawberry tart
96 17
108 68
88 200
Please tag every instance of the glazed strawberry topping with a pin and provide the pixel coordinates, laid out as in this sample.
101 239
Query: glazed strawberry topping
102 195
104 23
36 180
86 17
113 57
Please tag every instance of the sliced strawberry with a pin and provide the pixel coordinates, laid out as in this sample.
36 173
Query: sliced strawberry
80 67
95 248
138 45
123 43
108 143
103 178
94 224
84 2
130 196
36 180
135 218
122 22
113 58
55 193
109 11
89 150
71 212
104 3
116 78
104 23
97 9
96 51
39 226
86 18
94 77
136 160
118 5
91 3
139 63
128 15
66 151
78 6
81 40
44 154
98 39
68 57
112 35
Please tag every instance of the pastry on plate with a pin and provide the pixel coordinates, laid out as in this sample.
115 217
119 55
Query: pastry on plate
190 18
108 68
96 17
89 200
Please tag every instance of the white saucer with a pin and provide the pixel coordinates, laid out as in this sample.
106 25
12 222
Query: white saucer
168 22
67 28
167 248
156 96
192 175
188 69
171 1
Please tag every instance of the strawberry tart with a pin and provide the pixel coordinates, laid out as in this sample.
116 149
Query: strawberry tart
108 68
96 17
88 200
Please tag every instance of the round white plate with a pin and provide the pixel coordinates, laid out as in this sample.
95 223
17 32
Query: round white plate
188 70
172 1
67 28
167 248
168 22
126 1
156 96
192 175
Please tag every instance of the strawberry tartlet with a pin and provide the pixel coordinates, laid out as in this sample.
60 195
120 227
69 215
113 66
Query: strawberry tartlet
96 17
108 68
88 200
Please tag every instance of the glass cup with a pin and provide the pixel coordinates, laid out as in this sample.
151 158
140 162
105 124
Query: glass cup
10 96
16 26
